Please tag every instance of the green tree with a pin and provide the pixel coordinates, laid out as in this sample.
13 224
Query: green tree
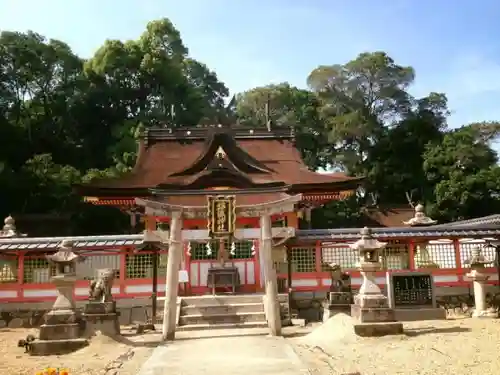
359 98
287 106
395 163
465 173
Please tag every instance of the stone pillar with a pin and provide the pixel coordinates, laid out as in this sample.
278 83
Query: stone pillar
64 302
172 278
477 263
271 301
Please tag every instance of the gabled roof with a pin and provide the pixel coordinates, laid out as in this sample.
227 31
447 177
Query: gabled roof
190 158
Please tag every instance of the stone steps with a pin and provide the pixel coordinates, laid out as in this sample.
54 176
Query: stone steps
233 308
213 312
209 300
222 326
223 318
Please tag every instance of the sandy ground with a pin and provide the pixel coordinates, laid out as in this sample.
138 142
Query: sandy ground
454 346
458 346
104 356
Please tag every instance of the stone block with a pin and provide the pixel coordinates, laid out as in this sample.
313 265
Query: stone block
56 347
99 307
371 301
366 315
61 317
411 315
378 329
59 331
110 327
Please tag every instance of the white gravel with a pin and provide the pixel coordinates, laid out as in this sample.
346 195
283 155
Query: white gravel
454 346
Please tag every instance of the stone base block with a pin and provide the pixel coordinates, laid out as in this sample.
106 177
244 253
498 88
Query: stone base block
371 300
368 315
56 317
108 325
100 307
59 331
412 315
378 329
52 347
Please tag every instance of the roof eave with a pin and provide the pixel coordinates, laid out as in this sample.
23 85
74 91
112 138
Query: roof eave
352 183
105 192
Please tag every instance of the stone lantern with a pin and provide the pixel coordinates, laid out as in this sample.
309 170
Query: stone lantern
422 256
369 249
64 262
61 331
371 307
477 263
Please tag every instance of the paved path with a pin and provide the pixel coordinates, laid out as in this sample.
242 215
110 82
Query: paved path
243 355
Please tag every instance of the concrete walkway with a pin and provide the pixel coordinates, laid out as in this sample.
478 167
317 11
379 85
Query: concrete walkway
235 355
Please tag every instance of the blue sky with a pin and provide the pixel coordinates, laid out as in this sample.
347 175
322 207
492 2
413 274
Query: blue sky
453 46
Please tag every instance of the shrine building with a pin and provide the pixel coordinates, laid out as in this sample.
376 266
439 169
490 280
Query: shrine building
256 172
221 209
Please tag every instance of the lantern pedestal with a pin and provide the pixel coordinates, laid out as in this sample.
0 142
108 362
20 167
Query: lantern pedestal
371 308
61 331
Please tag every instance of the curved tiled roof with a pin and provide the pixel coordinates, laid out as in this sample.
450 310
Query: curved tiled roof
273 159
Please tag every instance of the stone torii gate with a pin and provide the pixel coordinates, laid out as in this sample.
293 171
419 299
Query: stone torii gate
177 213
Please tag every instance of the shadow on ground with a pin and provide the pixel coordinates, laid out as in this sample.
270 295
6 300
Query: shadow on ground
433 330
218 335
290 335
136 344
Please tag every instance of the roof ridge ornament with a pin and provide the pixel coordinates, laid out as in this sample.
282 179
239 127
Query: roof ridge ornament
220 153
420 218
9 229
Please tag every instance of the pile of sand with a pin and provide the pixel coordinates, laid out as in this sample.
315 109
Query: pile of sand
337 330
461 347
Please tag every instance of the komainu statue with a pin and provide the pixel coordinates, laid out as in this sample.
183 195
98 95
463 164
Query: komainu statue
100 288
341 281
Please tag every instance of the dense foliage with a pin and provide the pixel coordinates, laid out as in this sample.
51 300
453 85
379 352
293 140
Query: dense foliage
65 119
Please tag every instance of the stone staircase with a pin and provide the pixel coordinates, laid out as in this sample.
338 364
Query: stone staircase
221 311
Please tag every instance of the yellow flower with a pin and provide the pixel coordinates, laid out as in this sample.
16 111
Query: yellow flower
64 372
51 371
39 373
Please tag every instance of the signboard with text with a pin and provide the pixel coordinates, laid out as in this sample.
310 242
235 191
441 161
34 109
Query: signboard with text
221 216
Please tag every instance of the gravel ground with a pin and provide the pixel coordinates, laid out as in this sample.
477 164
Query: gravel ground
104 356
453 346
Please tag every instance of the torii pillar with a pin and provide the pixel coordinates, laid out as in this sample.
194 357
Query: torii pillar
265 211
153 208
271 300
172 278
